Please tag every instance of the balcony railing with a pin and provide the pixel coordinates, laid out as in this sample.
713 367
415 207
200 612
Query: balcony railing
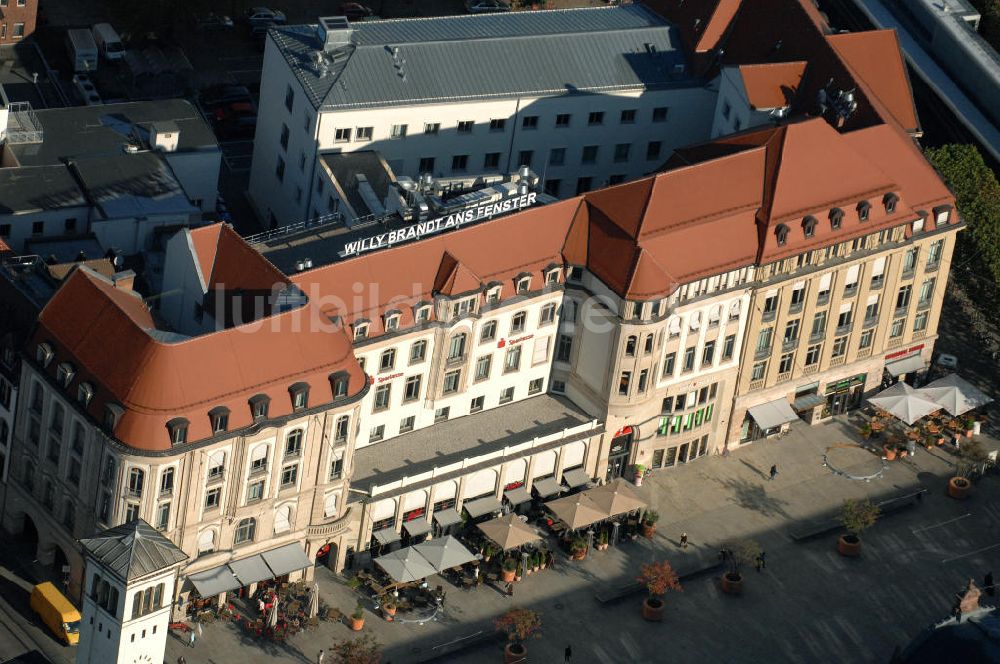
920 334
895 342
877 283
762 353
837 361
782 377
851 290
924 304
822 298
810 369
790 344
794 307
901 311
871 321
769 315
843 329
932 267
864 352
757 384
258 470
907 274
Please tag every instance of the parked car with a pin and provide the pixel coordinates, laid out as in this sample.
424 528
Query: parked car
222 95
211 22
354 11
486 6
264 16
226 111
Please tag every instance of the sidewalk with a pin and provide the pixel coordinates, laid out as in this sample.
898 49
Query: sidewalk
712 500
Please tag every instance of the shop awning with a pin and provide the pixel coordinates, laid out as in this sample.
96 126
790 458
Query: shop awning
214 581
546 487
448 517
286 559
808 401
417 527
482 506
905 365
517 496
576 477
386 536
250 570
773 414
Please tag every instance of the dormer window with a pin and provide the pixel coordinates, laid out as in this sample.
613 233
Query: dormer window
464 307
392 321
259 405
65 373
781 232
493 295
809 226
523 284
422 314
836 218
220 419
942 215
864 209
43 354
178 429
340 382
552 276
360 330
300 395
84 394
890 200
112 415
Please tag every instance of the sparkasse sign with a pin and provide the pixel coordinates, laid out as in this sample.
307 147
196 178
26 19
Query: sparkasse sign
424 228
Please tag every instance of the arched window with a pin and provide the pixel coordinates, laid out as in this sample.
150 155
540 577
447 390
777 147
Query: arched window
695 321
456 347
136 477
246 530
216 464
137 604
283 520
781 232
330 505
206 541
258 459
630 345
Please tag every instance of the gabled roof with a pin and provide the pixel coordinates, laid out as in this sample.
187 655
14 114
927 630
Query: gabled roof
227 262
454 278
772 85
875 57
133 550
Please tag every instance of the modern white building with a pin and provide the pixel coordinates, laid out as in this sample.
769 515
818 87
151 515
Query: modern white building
585 97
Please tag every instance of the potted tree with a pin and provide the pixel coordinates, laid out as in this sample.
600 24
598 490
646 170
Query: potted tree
508 570
970 425
741 553
365 650
971 455
519 625
602 540
856 516
578 548
649 520
659 578
358 618
865 430
389 606
640 471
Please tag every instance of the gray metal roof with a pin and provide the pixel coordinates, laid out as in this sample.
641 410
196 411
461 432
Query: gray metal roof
132 185
500 55
133 550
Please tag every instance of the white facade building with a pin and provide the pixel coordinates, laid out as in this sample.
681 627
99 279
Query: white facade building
585 97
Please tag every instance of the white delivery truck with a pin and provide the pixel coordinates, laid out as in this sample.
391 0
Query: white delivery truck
108 42
82 50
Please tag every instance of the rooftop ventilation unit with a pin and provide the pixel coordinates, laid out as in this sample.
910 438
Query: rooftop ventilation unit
334 32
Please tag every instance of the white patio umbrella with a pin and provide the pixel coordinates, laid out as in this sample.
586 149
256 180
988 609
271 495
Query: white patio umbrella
405 565
312 608
272 616
955 394
444 553
904 403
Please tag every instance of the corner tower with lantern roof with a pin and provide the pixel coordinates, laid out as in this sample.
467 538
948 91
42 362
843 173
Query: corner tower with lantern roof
129 582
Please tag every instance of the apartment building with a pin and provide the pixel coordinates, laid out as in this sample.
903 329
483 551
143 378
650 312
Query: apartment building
17 20
584 97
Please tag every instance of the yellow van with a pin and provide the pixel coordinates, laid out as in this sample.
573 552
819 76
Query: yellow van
56 612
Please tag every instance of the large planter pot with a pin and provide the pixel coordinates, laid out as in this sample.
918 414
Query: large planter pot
389 613
357 623
508 577
638 479
890 453
849 545
732 584
580 554
959 488
514 652
652 609
648 529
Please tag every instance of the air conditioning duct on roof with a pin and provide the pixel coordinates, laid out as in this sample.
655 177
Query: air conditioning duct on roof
334 32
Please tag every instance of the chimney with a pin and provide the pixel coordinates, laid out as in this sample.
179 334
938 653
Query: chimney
123 280
164 136
334 32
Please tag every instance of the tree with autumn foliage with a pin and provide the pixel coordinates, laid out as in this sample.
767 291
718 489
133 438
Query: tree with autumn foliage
659 578
365 650
519 625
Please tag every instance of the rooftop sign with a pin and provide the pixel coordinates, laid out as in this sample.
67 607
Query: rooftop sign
472 215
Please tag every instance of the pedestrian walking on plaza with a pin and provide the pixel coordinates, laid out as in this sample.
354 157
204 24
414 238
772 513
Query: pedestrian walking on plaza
989 585
774 471
684 540
758 562
181 660
320 657
191 641
763 559
568 654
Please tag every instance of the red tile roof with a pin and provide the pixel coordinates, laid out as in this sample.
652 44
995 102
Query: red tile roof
111 337
5 248
772 85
